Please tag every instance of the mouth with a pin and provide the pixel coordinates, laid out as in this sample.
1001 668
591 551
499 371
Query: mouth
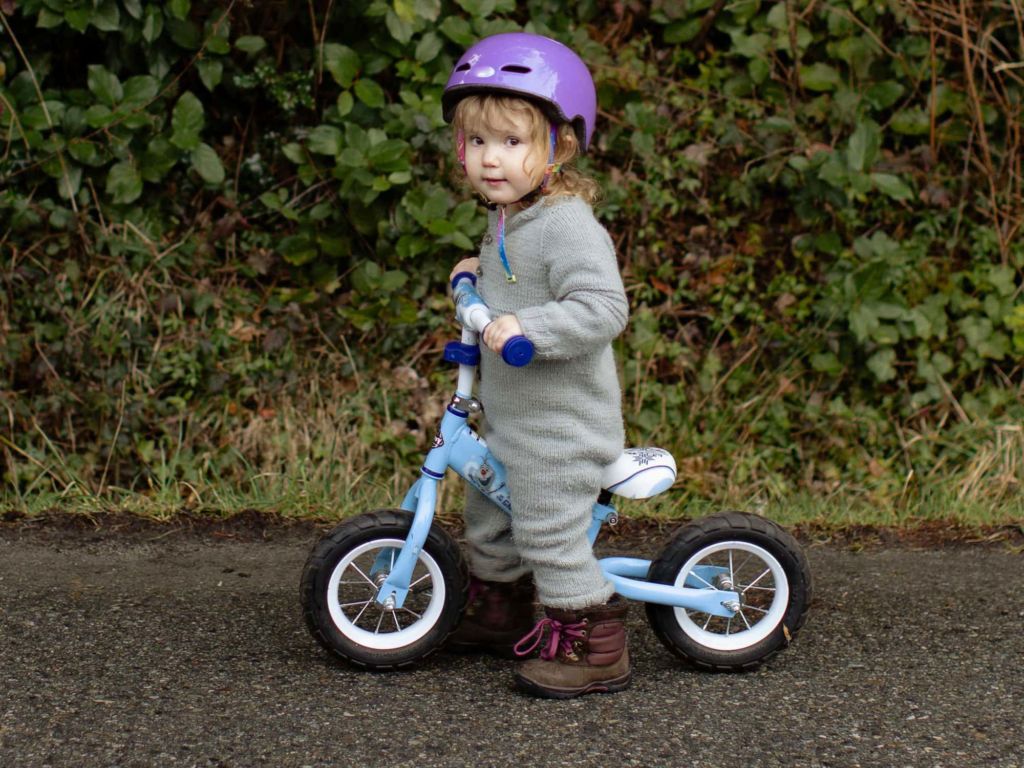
494 182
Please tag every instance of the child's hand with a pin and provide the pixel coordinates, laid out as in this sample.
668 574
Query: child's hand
466 265
500 330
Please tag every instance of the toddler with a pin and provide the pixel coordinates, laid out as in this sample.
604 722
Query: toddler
522 107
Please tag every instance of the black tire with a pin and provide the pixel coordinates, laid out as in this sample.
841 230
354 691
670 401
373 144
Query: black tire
776 602
346 619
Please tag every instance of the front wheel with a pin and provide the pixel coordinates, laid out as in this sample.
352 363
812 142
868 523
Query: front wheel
343 575
733 552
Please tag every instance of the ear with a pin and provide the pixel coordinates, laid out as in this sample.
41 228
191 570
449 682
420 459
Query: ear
460 147
568 145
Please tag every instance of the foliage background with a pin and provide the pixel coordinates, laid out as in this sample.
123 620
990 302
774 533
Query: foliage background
225 229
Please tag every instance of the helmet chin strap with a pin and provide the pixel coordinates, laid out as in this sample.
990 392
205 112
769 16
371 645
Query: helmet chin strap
551 168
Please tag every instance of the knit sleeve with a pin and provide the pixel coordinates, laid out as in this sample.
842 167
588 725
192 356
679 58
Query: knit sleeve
590 307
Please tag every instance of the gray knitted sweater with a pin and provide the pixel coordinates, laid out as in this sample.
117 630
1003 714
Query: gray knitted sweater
570 301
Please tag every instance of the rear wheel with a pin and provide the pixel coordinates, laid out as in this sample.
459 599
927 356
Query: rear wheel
342 578
740 553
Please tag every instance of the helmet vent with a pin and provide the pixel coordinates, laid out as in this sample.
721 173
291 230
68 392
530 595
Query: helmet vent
463 67
517 69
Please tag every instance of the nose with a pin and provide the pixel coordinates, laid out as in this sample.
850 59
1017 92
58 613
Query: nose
490 155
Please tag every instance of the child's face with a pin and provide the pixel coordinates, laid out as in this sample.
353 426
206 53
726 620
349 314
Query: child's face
503 163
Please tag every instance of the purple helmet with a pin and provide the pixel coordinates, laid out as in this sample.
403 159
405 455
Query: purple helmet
532 66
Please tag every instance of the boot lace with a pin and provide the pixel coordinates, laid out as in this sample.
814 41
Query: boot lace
560 638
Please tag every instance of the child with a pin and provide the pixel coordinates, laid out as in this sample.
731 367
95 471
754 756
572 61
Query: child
522 106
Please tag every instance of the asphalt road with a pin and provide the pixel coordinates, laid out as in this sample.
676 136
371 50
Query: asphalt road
184 650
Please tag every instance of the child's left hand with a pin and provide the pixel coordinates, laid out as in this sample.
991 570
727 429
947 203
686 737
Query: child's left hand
500 330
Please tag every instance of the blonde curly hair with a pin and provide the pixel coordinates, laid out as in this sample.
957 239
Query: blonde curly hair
492 111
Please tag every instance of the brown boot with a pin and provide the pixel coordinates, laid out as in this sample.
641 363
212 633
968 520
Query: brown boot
497 615
585 653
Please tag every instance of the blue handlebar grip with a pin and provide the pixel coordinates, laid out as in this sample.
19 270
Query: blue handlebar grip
518 351
463 276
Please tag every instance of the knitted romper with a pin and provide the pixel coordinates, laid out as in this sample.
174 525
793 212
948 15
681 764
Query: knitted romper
556 423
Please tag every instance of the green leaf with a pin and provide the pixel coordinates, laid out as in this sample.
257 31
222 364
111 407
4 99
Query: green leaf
153 26
78 18
881 364
389 155
187 121
104 84
179 8
47 19
160 156
404 10
458 30
864 145
819 77
294 152
140 91
911 122
211 72
345 103
893 186
392 280
83 151
70 182
751 46
207 164
400 29
427 9
883 95
682 31
826 362
107 17
1002 277
250 44
124 184
185 34
297 249
342 62
371 94
325 140
134 8
428 47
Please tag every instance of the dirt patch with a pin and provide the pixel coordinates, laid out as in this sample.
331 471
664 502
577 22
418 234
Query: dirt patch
252 525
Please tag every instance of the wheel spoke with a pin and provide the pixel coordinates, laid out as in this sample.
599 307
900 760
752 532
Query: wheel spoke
751 584
699 577
744 618
363 603
417 615
754 608
421 578
394 616
745 561
710 617
355 621
368 579
379 622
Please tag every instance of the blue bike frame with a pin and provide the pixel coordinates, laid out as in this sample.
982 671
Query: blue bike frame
459 448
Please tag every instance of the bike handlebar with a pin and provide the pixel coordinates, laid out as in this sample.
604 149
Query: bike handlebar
474 314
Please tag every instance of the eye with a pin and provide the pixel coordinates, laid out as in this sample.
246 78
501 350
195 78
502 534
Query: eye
513 141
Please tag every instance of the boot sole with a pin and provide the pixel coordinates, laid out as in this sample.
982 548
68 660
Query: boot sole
614 685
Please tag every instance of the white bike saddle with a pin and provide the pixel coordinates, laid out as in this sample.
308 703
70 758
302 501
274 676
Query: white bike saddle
640 473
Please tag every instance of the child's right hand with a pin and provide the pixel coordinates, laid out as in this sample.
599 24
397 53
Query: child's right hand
466 265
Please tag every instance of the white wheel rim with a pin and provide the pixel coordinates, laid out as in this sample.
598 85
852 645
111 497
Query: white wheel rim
764 591
351 599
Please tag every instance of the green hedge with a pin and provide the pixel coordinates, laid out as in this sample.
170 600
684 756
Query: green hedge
205 207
